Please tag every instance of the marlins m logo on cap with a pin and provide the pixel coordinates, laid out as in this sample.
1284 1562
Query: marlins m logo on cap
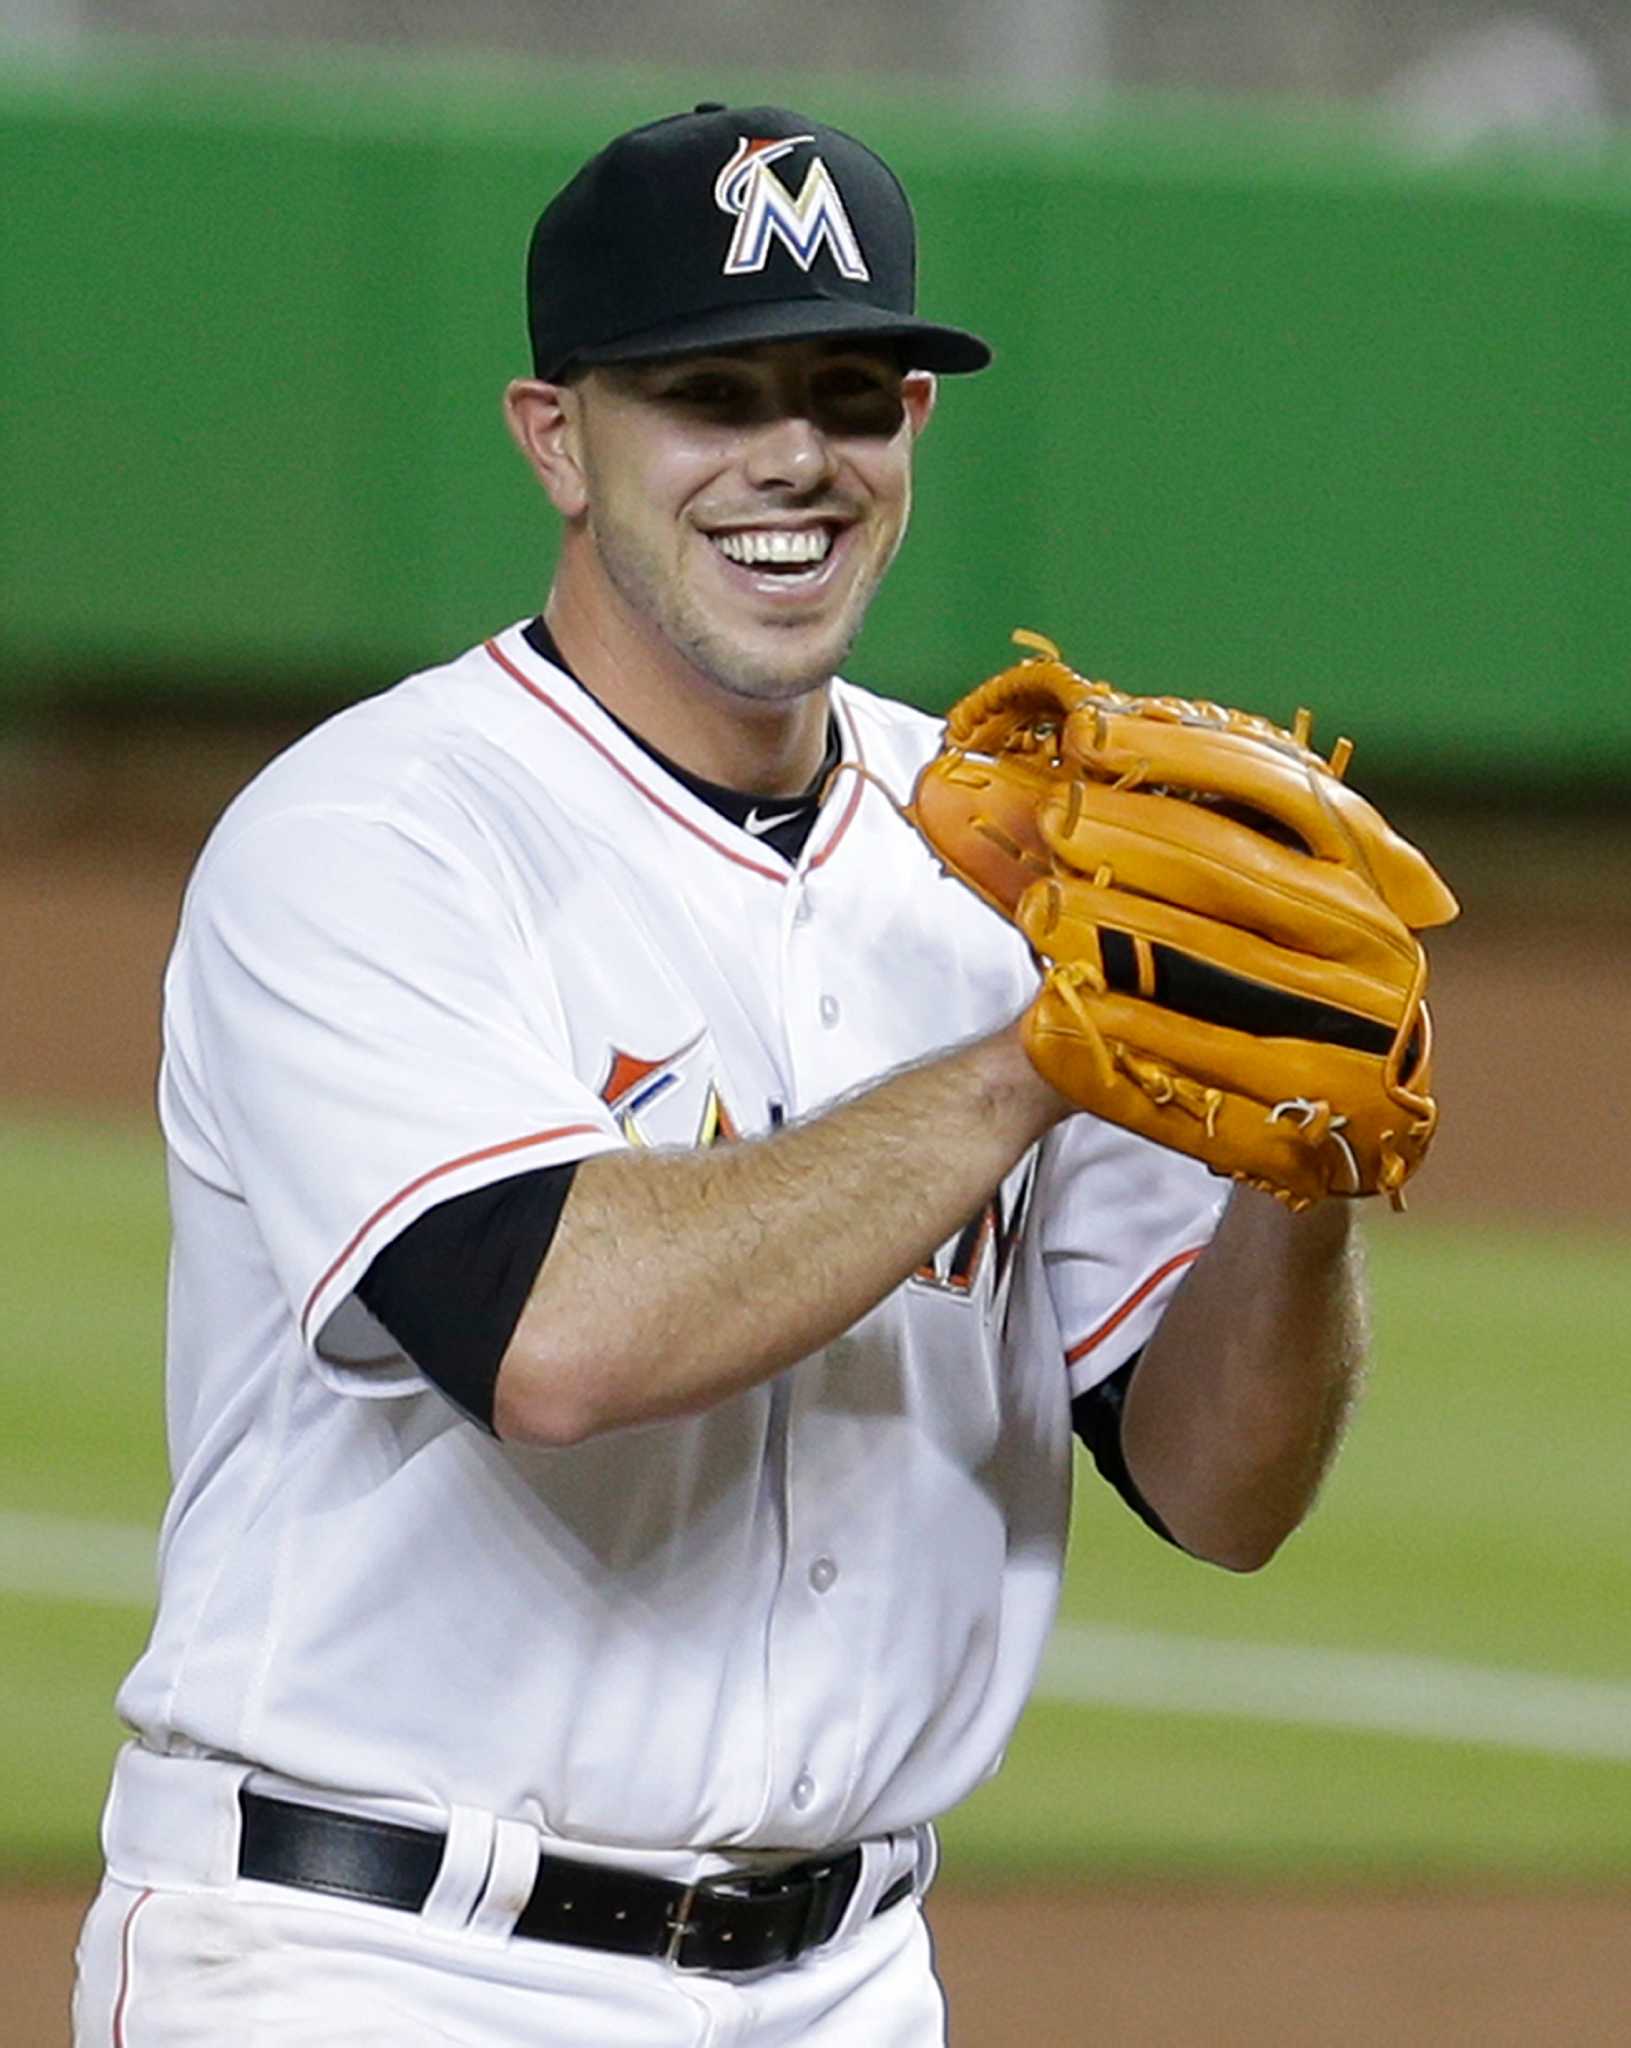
749 188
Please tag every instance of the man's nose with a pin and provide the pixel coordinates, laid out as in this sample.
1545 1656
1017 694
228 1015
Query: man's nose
790 453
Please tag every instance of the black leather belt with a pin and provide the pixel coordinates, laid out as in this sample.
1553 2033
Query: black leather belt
735 1921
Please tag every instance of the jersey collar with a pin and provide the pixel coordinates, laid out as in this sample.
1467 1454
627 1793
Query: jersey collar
783 823
520 654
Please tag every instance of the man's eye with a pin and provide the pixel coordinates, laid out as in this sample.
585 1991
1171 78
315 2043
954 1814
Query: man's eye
860 403
706 391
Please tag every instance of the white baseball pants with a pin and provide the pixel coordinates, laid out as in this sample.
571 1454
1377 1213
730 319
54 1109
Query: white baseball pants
179 1952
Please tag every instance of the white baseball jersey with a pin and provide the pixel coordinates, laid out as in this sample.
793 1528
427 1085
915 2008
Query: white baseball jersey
470 928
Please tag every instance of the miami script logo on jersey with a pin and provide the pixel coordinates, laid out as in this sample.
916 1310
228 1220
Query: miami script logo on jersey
984 1245
675 1099
667 1101
766 211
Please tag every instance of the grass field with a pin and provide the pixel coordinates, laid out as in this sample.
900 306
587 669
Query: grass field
1432 1682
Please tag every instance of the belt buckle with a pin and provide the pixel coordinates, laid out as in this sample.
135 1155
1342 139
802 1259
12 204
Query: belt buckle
799 1899
680 1925
724 1885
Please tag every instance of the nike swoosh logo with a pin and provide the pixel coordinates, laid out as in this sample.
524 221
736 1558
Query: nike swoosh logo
760 826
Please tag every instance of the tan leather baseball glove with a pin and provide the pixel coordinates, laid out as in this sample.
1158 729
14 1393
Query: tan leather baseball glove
1228 932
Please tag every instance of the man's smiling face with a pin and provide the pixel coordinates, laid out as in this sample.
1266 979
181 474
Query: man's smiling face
745 504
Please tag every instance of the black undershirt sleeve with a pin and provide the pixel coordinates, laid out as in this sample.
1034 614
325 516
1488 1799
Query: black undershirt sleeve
1097 1419
451 1287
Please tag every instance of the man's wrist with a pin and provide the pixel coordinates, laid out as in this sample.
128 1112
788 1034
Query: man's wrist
1016 1085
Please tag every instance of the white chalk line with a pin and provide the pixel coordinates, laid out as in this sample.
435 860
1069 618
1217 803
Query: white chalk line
58 1557
1431 1699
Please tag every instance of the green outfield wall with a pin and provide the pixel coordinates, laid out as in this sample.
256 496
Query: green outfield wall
1283 412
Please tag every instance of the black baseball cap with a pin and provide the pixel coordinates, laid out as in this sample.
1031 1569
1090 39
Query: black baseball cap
724 226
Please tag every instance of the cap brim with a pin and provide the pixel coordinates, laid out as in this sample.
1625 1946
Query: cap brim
924 345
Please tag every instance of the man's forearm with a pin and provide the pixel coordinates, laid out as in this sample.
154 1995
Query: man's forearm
679 1278
1237 1406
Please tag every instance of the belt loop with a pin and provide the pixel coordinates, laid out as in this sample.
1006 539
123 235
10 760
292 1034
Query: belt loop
869 1884
172 1820
509 1883
457 1892
885 1859
928 1856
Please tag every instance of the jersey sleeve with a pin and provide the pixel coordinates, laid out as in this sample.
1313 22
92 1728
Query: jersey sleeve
1121 1221
360 1025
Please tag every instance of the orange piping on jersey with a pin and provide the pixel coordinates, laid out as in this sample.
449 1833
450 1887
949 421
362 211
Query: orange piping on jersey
124 1971
606 754
1142 1293
436 1173
831 846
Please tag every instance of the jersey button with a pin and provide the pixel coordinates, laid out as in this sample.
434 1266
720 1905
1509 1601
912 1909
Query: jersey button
822 1574
802 913
829 1011
804 1790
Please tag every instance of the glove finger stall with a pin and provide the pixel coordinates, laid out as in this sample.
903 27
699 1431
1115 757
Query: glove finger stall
1200 861
1207 1124
1304 1120
1265 1070
984 824
1273 786
1201 968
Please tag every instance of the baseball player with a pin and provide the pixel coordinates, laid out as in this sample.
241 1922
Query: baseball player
631 1290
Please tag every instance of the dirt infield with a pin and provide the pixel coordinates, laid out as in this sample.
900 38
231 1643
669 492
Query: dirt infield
88 915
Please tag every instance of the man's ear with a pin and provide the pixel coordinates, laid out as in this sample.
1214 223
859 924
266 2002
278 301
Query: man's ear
918 391
543 418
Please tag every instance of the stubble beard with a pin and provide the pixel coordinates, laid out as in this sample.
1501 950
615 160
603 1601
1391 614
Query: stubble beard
656 595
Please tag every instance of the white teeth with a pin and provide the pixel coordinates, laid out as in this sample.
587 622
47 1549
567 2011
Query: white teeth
753 545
